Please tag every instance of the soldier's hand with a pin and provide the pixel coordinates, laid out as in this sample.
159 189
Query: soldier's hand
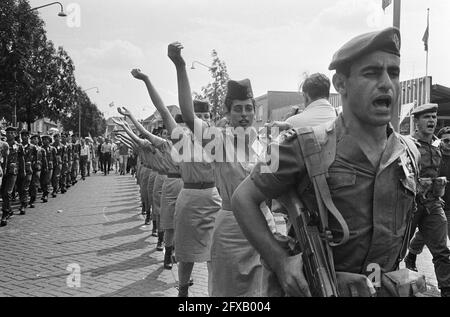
174 53
281 125
138 74
291 277
124 111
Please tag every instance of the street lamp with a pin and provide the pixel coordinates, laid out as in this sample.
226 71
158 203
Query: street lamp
61 13
79 112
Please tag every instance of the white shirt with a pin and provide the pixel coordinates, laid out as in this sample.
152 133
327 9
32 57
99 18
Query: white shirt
317 113
84 150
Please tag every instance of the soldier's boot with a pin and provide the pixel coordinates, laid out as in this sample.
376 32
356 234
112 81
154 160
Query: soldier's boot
168 258
147 219
54 194
154 229
22 209
44 198
3 221
410 262
445 292
159 246
31 203
183 290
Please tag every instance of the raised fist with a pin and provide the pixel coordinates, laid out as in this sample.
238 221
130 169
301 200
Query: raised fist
174 53
124 111
138 74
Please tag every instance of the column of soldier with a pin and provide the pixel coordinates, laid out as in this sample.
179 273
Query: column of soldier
40 163
363 188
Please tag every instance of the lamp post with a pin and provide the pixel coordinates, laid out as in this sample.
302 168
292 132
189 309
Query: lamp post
211 69
61 13
79 112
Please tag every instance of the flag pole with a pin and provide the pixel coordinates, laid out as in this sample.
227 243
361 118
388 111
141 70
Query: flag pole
397 108
428 28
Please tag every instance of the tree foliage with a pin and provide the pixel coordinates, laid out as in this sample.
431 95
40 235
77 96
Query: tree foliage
216 91
35 78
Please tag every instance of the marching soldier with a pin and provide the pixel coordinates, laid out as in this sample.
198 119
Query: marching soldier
39 166
66 164
51 160
14 166
4 151
357 156
430 217
58 168
23 183
76 152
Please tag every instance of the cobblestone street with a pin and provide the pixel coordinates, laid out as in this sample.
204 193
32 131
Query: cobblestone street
95 228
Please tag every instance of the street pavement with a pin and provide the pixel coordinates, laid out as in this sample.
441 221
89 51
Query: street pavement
92 241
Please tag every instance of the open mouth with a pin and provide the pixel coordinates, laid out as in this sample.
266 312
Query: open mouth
243 122
383 101
431 125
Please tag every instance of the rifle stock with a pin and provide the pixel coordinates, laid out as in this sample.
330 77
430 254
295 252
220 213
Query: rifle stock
318 270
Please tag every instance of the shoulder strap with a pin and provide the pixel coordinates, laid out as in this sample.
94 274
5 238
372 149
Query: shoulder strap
318 148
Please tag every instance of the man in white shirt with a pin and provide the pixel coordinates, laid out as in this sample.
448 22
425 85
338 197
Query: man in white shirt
316 91
84 154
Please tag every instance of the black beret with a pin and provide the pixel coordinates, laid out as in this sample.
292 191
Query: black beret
179 118
201 106
239 90
426 108
46 136
11 129
35 135
24 131
387 40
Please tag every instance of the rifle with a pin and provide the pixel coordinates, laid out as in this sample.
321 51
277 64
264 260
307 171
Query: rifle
317 258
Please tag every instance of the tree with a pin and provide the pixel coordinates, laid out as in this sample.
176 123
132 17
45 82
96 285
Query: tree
216 91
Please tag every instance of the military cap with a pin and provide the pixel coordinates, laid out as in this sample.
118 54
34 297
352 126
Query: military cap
179 118
387 40
46 136
239 90
34 135
11 129
24 131
428 107
201 106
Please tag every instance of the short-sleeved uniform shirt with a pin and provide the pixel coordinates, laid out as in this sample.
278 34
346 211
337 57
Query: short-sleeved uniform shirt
375 201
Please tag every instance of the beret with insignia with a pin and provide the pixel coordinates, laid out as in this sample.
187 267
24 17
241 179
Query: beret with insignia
11 129
426 108
239 90
387 40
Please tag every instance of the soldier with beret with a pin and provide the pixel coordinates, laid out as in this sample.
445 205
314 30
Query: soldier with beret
39 166
58 168
4 151
430 217
23 183
76 152
360 156
66 163
235 268
51 163
15 165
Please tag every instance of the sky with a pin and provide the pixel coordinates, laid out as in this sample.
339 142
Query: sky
273 43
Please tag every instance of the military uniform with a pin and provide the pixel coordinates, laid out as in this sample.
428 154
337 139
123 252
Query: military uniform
76 152
4 150
58 168
47 174
65 168
39 166
430 218
14 166
23 182
70 164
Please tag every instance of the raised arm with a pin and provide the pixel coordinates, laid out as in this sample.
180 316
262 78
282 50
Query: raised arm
184 89
168 120
155 140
